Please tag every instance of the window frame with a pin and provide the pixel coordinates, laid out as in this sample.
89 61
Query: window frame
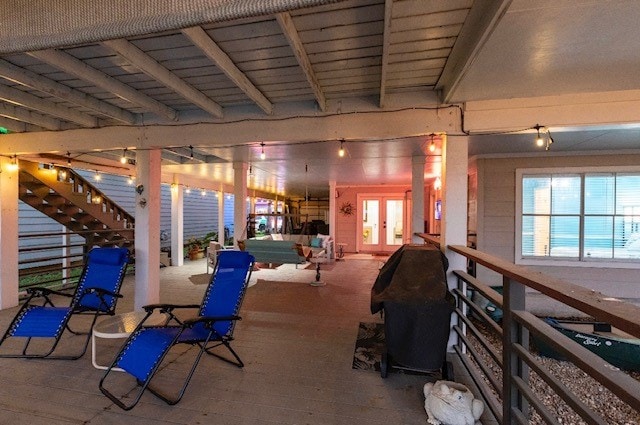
564 261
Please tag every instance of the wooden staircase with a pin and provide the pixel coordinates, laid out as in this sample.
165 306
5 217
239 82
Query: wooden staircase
71 200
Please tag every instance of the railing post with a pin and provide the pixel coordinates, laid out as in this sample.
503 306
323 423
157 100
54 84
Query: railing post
66 253
513 333
462 287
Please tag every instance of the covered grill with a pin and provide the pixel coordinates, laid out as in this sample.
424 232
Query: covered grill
411 289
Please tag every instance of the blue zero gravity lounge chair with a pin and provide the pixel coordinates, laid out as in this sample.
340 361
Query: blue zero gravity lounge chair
96 294
144 351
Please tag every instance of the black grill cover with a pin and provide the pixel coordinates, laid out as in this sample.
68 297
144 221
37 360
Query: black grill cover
412 290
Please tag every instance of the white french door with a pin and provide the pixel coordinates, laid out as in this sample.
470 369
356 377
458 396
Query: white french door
381 222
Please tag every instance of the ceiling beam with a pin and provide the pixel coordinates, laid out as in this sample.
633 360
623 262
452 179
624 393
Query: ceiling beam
172 157
483 18
21 98
375 124
74 66
386 43
30 79
201 39
149 66
13 125
290 32
192 155
24 115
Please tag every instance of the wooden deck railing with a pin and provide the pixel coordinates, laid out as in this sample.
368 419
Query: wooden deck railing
512 400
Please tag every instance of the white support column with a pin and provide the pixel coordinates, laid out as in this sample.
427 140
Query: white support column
454 207
240 201
66 252
147 232
177 223
417 197
332 214
221 216
8 235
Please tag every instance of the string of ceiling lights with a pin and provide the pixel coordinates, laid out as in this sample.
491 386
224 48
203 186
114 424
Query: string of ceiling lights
543 139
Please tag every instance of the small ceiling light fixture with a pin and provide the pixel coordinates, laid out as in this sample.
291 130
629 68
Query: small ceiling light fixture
13 166
123 158
130 180
539 139
188 190
262 154
432 145
68 158
203 192
191 150
341 151
97 177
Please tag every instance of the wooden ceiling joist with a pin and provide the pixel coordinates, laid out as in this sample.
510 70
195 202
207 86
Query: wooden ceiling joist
21 98
30 79
386 43
76 67
24 115
290 32
201 39
149 66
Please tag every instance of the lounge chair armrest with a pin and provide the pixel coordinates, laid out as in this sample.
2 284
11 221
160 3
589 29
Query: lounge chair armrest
41 291
209 319
101 291
168 307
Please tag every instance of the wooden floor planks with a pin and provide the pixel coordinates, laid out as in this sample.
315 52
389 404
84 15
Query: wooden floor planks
297 343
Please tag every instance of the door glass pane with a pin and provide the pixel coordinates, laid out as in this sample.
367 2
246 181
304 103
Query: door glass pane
393 231
370 221
599 190
598 237
565 236
535 236
565 195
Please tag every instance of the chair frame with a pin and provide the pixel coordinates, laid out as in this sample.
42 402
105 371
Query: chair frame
76 308
213 340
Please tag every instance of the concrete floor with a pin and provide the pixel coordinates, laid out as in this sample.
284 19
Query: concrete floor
296 341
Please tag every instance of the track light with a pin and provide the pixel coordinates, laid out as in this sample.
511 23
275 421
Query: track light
123 158
97 177
432 145
188 190
262 154
130 180
341 151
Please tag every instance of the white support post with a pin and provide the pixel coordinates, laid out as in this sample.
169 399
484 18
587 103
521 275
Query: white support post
454 208
221 216
66 252
177 223
8 235
332 214
417 197
147 232
240 201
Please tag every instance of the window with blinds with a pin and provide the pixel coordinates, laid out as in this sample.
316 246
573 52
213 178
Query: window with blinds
581 216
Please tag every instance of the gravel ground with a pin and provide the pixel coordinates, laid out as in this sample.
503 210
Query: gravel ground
589 391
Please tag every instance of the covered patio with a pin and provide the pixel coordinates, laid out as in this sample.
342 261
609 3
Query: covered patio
297 342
